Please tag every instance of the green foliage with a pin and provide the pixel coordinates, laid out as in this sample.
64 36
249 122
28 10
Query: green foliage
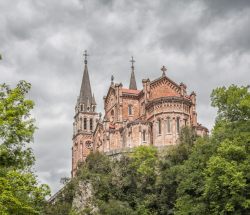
114 207
16 126
19 190
227 177
190 187
171 171
233 103
20 193
144 160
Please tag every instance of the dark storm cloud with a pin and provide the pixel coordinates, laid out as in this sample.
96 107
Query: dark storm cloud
225 7
203 43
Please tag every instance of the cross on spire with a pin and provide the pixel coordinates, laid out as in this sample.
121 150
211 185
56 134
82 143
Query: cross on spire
85 56
132 61
163 69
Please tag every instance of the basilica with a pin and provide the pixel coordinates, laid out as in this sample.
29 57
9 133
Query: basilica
153 115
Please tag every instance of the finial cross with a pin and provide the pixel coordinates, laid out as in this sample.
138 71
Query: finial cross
163 69
112 79
132 61
85 56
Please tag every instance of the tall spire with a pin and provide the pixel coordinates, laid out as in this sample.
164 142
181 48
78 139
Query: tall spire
85 92
132 84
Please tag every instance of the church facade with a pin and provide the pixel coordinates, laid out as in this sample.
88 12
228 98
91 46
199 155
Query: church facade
153 115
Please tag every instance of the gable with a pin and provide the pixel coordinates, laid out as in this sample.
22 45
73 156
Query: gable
110 98
164 87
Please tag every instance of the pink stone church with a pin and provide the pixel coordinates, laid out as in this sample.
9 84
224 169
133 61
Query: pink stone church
153 115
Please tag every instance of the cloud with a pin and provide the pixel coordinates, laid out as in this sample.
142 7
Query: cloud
204 44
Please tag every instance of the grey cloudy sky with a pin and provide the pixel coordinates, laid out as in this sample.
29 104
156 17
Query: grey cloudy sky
204 44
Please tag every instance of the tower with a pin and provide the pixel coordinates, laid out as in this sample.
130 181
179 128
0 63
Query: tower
84 121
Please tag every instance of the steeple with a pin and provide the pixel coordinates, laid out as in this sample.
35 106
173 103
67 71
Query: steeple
132 84
85 96
85 121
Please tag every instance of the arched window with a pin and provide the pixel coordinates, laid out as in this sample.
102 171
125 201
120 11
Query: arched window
130 110
91 124
185 122
85 123
178 124
168 125
144 136
112 112
80 123
159 126
81 107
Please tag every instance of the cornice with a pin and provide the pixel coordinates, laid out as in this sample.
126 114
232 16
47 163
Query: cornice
170 99
82 133
85 113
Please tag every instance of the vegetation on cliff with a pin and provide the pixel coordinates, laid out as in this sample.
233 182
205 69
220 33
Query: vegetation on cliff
208 175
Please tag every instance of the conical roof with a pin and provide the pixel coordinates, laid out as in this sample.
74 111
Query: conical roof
85 92
132 84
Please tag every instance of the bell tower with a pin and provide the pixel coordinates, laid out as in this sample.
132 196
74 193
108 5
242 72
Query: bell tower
84 121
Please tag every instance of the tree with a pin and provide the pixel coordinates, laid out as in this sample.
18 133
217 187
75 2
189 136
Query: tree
16 127
190 187
227 179
19 190
20 194
144 160
216 176
171 171
233 103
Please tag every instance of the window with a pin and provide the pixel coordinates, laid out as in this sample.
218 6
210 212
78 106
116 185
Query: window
178 124
142 108
85 123
168 125
91 124
130 107
144 136
81 107
80 123
185 122
89 144
159 126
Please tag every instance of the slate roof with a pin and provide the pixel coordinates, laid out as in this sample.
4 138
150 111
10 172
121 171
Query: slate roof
132 84
85 96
